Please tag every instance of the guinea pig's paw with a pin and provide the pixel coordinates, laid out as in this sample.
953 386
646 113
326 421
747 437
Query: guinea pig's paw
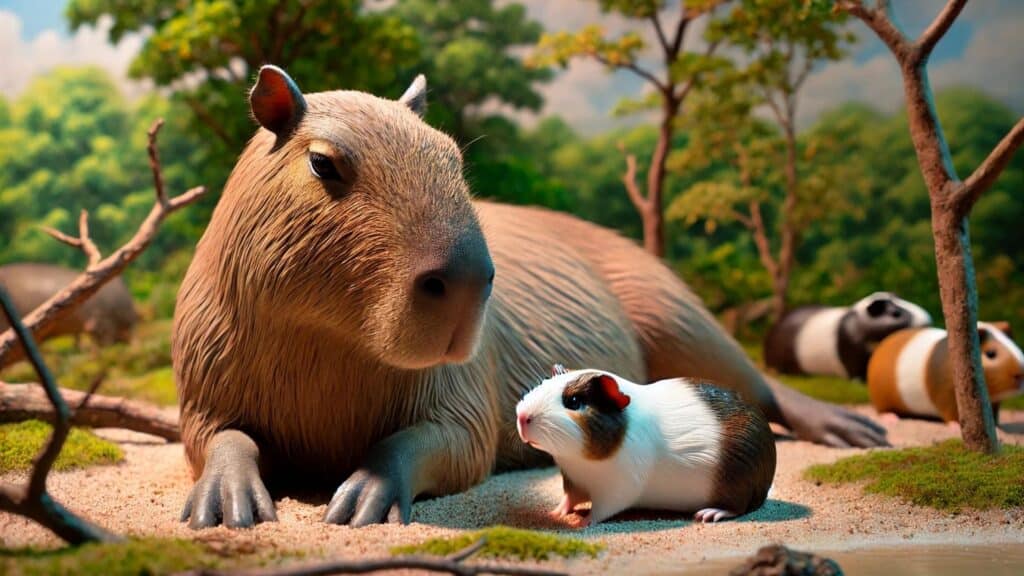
370 498
232 494
712 515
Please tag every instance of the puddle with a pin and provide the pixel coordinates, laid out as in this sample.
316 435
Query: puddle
911 560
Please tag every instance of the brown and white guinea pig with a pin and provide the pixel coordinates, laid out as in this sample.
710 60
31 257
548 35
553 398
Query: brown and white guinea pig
910 373
672 445
838 341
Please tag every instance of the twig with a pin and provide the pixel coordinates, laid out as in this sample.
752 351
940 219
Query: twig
629 180
20 402
154 161
937 29
83 242
986 173
48 313
33 501
451 564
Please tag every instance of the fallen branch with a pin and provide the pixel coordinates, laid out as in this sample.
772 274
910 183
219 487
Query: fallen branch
451 564
20 402
32 500
99 271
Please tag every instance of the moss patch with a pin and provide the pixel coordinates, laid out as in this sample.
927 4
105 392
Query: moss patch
127 558
509 543
945 476
20 442
1016 403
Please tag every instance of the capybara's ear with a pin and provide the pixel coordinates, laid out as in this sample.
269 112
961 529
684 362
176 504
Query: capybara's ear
415 96
1004 327
276 100
609 388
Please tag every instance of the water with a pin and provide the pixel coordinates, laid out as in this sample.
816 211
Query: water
912 560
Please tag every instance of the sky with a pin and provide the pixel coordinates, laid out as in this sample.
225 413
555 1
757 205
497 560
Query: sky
982 49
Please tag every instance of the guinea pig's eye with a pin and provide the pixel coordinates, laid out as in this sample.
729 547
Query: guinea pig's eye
990 354
322 167
573 402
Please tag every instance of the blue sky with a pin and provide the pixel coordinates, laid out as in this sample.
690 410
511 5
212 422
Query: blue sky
982 49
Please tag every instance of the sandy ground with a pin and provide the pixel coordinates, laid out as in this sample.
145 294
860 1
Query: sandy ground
143 496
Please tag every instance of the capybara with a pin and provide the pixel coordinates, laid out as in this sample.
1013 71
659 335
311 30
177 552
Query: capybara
352 316
108 316
911 374
838 340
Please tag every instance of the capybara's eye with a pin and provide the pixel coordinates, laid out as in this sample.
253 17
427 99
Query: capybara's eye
322 167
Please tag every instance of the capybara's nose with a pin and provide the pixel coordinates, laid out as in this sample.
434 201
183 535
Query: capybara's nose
465 276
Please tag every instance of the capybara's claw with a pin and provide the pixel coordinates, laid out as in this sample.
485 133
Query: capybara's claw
370 498
826 423
230 490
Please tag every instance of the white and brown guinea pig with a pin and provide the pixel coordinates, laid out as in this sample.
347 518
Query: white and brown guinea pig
910 373
671 445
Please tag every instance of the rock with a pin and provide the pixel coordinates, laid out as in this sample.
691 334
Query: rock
777 560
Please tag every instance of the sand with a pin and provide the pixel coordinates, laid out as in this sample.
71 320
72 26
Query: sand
143 495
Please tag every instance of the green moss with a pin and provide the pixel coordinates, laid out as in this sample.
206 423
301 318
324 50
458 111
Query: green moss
149 556
1016 403
946 476
20 442
505 542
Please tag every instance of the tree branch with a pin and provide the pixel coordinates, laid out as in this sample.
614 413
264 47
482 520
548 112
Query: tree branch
154 161
629 180
684 22
937 29
988 171
33 501
635 68
20 402
83 242
85 285
665 46
764 249
878 20
451 564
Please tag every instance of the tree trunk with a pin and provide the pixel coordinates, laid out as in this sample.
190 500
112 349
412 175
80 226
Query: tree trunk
960 308
654 235
787 251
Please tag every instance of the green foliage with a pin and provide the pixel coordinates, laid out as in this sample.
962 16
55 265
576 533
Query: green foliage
20 442
140 369
505 542
946 476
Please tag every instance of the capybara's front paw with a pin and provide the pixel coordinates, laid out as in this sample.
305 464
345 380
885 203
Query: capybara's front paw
233 494
370 497
828 424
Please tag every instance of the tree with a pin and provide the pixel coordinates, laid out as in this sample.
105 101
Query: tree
679 71
206 50
781 44
951 203
466 51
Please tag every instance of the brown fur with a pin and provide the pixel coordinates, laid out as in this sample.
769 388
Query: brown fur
745 473
1002 374
602 422
292 324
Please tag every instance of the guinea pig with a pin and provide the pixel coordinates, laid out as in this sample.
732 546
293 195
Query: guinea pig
838 341
910 373
672 445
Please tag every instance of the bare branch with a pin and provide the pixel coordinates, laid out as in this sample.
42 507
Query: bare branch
937 29
878 20
83 242
636 69
661 37
988 171
468 551
47 314
681 26
444 565
629 180
33 501
154 161
20 402
764 249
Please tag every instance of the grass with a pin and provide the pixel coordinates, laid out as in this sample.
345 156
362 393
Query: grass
148 556
507 543
945 476
19 443
139 370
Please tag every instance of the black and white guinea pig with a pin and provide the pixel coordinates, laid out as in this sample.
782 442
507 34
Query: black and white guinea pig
838 341
671 445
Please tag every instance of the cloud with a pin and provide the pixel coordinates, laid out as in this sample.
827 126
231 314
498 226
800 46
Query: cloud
24 59
992 62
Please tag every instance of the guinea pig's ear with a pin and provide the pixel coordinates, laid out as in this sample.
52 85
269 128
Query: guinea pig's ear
276 101
1004 327
558 370
610 389
983 334
415 96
